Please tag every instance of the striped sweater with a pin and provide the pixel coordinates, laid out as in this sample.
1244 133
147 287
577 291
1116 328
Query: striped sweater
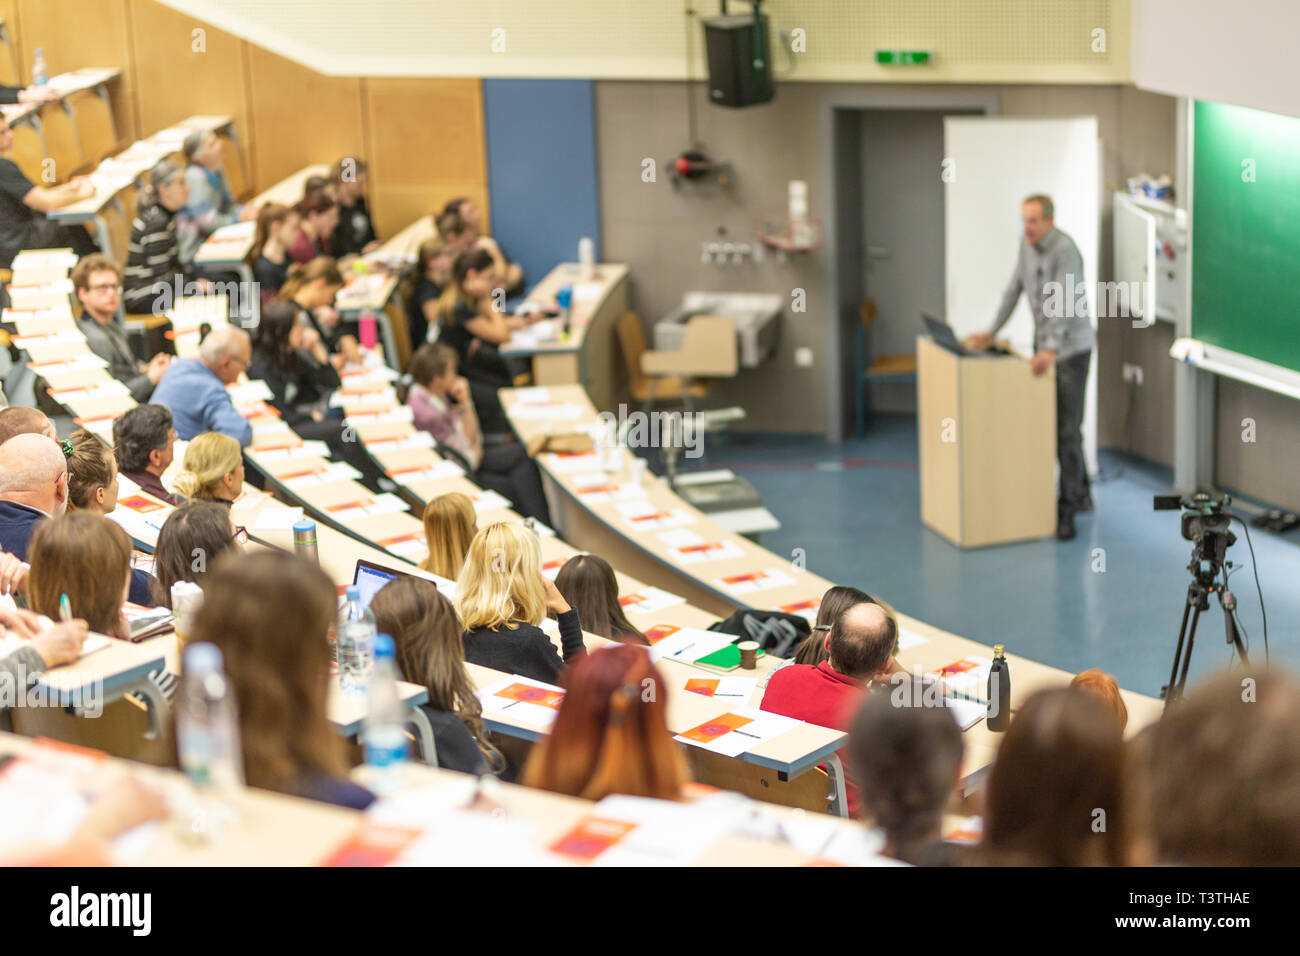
153 258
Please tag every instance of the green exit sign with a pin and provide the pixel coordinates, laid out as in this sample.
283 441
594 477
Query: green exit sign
903 57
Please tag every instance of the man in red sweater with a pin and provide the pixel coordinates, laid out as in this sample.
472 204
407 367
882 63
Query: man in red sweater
861 646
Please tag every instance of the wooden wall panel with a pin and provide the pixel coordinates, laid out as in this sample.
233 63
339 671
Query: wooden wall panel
10 73
78 33
425 145
178 77
300 117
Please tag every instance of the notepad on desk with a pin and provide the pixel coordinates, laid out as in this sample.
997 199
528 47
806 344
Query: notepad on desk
12 643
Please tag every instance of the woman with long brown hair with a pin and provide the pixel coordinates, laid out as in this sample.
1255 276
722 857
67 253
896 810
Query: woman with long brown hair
197 529
611 734
450 523
589 585
270 615
88 558
1056 795
277 230
426 632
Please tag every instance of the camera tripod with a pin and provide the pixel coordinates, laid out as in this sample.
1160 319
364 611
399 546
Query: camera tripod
1198 600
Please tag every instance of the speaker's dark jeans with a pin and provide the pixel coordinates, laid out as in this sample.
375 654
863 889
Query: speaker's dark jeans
1071 381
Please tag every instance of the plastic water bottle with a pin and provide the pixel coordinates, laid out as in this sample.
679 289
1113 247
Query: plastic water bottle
384 732
40 72
355 641
207 737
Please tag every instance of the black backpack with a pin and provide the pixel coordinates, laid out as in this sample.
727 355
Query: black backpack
777 633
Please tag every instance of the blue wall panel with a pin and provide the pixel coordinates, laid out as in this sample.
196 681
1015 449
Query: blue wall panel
541 151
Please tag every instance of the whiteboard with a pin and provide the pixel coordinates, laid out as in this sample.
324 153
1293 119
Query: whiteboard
993 163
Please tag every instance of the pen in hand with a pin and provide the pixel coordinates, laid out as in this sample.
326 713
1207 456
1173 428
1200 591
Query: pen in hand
65 608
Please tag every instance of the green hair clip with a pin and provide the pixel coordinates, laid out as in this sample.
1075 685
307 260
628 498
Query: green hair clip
67 448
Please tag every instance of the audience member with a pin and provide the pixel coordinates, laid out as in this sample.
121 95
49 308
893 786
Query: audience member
1106 688
502 597
97 281
319 217
270 614
153 263
1220 785
278 228
88 558
192 538
33 487
210 204
610 736
450 523
426 633
860 647
212 470
460 224
92 487
432 274
441 404
23 205
311 288
355 233
589 585
142 441
24 420
1056 794
834 602
907 762
195 389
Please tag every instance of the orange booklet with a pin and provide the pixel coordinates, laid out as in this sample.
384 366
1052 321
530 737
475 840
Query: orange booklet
528 694
713 729
708 686
657 633
372 845
591 837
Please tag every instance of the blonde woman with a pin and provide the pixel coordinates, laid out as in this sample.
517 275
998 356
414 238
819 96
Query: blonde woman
450 524
212 470
502 597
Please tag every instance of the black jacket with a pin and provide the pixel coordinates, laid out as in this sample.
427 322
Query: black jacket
525 650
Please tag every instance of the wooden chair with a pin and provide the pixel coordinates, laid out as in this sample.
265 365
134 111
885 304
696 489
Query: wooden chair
631 338
876 368
62 144
93 115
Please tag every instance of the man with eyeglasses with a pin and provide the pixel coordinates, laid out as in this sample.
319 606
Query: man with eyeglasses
98 284
195 389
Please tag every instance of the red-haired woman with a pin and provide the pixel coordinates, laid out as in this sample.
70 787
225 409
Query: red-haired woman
611 735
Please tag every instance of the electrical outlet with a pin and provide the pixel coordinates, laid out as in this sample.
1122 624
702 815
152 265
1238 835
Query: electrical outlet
1133 373
803 357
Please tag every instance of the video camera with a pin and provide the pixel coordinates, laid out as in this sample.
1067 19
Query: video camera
1205 523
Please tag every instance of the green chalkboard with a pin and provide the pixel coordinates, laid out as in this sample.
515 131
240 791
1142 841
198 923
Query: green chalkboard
1246 232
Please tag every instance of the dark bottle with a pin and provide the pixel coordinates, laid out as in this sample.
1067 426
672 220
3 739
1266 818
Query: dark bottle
999 713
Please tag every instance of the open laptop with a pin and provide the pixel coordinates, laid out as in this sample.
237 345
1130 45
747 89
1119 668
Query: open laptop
369 577
946 338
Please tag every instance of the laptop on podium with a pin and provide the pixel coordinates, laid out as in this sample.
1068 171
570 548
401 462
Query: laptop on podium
946 338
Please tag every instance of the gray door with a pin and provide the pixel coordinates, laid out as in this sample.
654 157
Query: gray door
902 233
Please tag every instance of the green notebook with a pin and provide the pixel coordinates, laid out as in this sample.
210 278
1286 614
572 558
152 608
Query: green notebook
726 659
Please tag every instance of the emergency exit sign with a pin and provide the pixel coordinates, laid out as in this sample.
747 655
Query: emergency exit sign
903 57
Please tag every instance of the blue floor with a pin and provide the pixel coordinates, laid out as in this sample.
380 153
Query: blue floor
854 509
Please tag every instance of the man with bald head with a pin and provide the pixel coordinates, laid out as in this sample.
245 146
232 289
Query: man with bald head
195 389
861 645
23 420
33 487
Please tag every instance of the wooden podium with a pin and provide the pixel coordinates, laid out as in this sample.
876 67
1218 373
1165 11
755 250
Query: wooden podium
988 447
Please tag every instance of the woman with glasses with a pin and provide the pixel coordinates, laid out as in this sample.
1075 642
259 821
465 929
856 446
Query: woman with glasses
98 284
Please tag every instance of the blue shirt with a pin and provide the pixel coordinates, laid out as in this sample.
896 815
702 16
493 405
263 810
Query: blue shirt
17 525
200 403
